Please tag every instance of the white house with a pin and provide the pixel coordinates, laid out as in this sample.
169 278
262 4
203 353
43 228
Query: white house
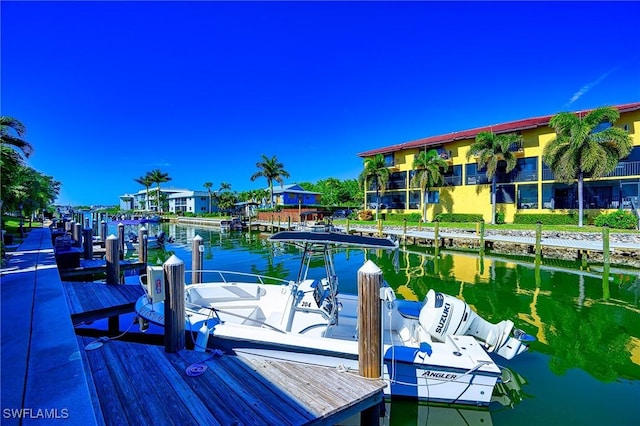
191 202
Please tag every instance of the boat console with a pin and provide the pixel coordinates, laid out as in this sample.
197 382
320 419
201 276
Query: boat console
314 296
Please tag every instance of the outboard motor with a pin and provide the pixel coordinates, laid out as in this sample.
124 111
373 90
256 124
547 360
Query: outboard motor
444 315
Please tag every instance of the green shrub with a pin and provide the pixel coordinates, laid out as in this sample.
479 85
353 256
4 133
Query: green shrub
546 218
618 219
499 218
458 217
410 217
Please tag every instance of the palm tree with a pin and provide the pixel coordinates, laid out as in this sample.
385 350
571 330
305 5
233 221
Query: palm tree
580 147
208 185
270 169
157 176
376 171
224 186
429 167
492 150
146 182
9 125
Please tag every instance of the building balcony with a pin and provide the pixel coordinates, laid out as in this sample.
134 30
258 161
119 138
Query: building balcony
623 169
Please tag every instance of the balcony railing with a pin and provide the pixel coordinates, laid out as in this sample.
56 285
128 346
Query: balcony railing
624 168
516 147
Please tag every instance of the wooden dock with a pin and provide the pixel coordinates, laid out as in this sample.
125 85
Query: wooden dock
90 267
134 383
89 301
48 374
493 238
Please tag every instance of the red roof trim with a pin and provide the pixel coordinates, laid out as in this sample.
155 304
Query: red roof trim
511 126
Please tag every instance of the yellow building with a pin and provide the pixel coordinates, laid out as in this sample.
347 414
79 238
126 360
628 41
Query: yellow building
530 187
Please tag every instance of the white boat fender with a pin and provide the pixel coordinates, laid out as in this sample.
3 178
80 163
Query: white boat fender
203 338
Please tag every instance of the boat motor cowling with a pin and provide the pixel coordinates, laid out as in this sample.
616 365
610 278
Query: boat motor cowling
443 315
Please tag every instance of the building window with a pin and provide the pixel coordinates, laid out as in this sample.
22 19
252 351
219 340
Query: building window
397 180
475 176
526 170
389 160
414 199
528 196
453 176
505 194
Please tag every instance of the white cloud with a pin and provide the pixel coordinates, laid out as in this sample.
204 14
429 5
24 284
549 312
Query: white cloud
589 86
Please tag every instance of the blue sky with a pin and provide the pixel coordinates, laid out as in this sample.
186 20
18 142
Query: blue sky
200 90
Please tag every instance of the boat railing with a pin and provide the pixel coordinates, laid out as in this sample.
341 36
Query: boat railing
235 277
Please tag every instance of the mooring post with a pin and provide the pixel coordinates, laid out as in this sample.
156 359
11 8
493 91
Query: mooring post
605 246
347 225
538 239
113 275
77 234
481 236
370 333
288 223
87 239
121 240
196 259
143 239
174 318
404 230
436 237
86 222
103 231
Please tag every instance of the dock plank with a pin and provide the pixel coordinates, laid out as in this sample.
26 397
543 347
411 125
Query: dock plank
142 384
89 301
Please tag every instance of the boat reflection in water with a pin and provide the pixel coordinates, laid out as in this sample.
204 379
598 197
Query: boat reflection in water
407 412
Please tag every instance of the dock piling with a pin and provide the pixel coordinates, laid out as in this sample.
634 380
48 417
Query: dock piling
103 231
77 234
174 313
121 240
87 239
113 275
143 240
538 240
196 259
369 326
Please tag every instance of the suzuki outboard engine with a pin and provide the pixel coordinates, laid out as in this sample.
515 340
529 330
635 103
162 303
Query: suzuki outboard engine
444 315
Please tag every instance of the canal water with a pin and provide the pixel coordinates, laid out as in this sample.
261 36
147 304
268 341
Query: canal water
584 367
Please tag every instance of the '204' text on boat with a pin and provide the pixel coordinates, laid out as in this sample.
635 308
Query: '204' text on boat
435 350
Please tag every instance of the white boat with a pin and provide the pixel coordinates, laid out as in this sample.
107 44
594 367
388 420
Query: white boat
153 242
436 350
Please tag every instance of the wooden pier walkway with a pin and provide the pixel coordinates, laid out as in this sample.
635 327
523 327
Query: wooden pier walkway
443 236
90 267
576 244
90 301
48 375
134 383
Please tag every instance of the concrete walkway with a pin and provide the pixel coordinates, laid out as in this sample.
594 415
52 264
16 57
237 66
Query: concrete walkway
43 377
